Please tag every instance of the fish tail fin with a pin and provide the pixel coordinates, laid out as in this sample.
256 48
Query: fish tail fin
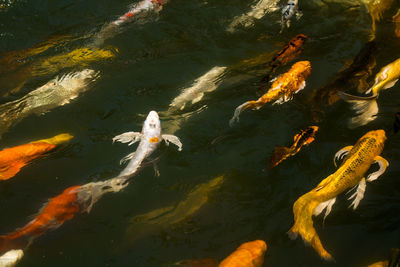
280 154
366 108
239 109
303 210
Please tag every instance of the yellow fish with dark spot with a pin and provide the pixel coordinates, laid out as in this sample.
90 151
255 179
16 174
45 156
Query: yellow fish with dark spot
357 161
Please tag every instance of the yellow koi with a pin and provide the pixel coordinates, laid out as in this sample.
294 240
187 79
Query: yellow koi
358 159
282 90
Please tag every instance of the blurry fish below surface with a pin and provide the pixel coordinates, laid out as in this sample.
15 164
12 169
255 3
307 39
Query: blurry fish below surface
376 9
113 28
14 158
396 20
249 254
257 12
366 107
153 221
291 9
57 92
353 75
350 175
282 89
305 137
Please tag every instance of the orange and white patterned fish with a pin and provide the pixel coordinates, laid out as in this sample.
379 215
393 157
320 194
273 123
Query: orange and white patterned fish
282 90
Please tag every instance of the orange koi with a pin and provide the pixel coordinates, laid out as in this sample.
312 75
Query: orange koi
14 158
249 254
305 137
282 90
287 54
58 210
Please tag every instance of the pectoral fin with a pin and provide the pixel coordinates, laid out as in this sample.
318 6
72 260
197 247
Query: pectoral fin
358 194
341 154
173 139
128 137
324 205
391 84
126 158
301 87
383 164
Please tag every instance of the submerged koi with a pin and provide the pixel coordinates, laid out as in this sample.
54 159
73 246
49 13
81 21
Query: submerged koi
292 8
282 90
305 137
376 9
357 161
149 138
366 107
14 158
396 20
287 54
249 254
110 29
353 75
56 92
10 258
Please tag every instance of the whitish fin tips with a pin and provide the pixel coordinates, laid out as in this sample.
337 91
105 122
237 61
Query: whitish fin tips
358 195
390 85
383 164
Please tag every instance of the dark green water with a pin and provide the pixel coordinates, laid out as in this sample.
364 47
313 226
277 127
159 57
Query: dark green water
157 58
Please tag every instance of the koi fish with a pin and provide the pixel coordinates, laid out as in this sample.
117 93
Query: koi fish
292 8
111 29
57 92
10 258
366 107
144 224
14 158
249 254
305 137
204 84
149 138
393 262
376 9
396 20
287 54
257 12
282 90
357 160
353 75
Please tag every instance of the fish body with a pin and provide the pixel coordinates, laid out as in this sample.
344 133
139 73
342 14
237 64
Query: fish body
305 137
291 8
250 254
204 84
58 210
149 138
287 54
366 107
166 216
357 161
282 89
57 92
14 158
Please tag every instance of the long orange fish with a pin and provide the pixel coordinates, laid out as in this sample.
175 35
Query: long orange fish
282 89
14 158
249 254
305 137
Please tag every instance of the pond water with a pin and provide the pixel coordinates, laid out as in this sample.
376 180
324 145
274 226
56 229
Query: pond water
153 59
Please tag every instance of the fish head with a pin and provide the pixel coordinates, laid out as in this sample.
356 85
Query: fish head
303 68
152 127
298 40
380 135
